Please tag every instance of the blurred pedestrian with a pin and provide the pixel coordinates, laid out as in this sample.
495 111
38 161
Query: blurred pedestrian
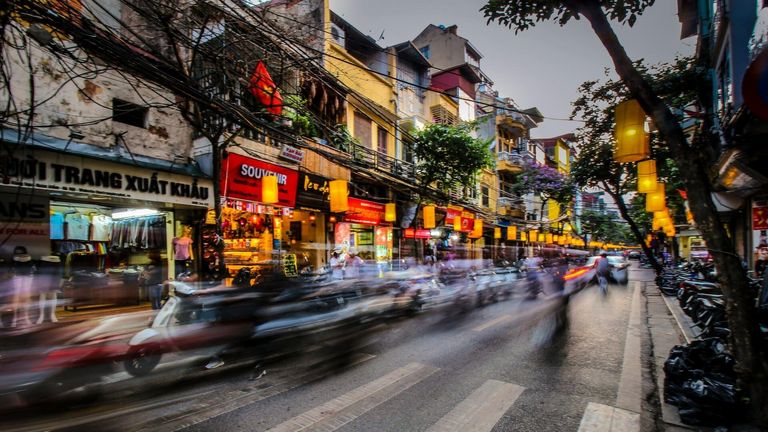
153 278
603 268
337 266
352 265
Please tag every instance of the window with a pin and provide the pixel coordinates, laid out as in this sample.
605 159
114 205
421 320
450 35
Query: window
382 144
129 113
407 152
724 91
363 129
425 51
484 191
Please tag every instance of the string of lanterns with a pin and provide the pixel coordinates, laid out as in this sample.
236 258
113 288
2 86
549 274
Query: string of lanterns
632 145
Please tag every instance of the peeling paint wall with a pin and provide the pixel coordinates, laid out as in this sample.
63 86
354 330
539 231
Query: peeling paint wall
67 95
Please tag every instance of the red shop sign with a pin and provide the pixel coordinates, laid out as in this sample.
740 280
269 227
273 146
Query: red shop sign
417 233
241 179
365 212
760 218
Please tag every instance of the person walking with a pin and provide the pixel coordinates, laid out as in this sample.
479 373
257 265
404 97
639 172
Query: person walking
153 279
603 270
337 266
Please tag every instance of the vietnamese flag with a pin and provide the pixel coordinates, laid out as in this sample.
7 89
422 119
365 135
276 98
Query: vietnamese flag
263 88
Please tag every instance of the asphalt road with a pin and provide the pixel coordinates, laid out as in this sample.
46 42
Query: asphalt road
497 368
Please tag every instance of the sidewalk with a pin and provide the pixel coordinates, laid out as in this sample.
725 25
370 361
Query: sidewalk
666 329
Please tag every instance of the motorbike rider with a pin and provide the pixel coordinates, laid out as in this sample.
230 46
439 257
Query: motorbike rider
532 276
603 271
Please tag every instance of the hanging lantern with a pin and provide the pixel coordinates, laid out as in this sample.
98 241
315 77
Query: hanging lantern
497 233
523 236
656 225
512 232
429 216
533 235
549 238
631 137
457 223
390 213
656 201
338 195
540 238
269 189
477 228
646 176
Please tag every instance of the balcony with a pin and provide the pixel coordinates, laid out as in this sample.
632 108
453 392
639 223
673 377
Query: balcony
512 162
512 207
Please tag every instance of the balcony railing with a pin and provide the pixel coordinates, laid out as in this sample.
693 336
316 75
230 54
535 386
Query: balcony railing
511 207
511 161
371 159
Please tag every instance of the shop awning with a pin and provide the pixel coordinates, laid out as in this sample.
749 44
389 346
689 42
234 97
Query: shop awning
118 153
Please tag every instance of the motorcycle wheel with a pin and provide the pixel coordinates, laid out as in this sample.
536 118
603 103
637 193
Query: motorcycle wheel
141 361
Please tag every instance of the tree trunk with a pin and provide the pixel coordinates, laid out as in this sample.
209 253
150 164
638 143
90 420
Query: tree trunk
746 339
633 227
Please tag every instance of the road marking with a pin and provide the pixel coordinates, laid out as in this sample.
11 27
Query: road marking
481 410
492 323
347 407
234 400
629 395
604 418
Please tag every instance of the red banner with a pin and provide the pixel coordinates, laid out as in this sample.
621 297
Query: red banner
417 233
365 212
760 218
241 179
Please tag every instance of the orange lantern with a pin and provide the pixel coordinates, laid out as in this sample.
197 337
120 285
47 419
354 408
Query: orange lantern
632 142
390 212
656 201
477 229
646 176
429 216
269 189
497 233
511 232
339 192
457 223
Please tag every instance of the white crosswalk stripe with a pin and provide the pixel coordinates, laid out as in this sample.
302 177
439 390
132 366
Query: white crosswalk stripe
347 407
604 418
481 410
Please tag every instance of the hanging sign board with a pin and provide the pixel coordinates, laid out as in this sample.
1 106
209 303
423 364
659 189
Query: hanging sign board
241 179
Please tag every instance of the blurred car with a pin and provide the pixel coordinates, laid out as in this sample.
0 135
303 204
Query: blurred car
577 278
67 360
619 268
634 255
700 253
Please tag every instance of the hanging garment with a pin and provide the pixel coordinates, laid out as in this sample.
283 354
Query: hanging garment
77 226
102 227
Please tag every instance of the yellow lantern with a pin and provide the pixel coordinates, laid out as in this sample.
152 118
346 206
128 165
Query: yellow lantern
269 189
497 233
477 229
511 232
457 223
429 216
548 238
656 201
646 176
541 238
533 235
523 236
338 195
632 143
390 212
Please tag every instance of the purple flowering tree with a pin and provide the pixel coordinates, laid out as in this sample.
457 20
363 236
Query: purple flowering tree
548 182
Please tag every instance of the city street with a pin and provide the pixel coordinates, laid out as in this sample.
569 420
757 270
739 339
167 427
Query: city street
492 369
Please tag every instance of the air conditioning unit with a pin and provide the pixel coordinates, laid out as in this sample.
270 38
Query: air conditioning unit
337 34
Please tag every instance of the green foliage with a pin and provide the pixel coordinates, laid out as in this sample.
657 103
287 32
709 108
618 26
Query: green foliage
602 227
520 15
295 108
449 156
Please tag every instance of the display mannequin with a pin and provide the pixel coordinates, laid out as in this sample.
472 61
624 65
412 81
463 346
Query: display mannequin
23 269
48 279
182 251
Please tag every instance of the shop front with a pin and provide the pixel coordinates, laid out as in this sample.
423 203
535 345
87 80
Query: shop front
364 231
91 226
256 234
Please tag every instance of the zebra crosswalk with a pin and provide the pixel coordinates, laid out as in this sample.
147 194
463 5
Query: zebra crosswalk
480 411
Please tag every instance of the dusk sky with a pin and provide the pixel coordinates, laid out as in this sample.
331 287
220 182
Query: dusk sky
541 67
